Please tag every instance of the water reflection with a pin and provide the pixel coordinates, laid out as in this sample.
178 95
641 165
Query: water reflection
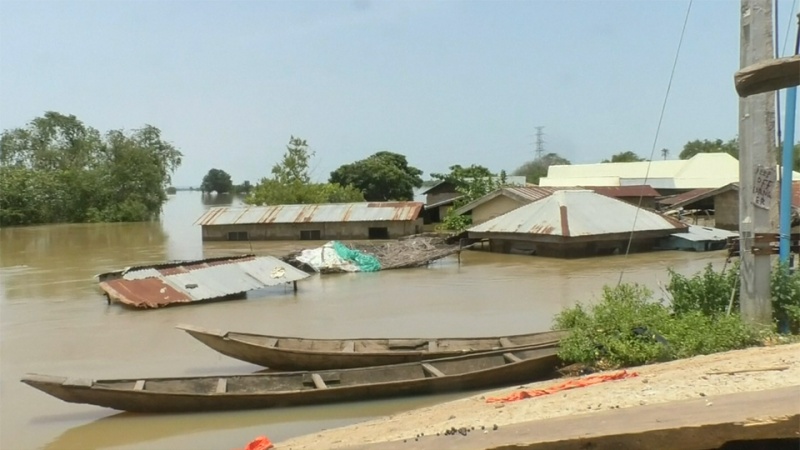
128 429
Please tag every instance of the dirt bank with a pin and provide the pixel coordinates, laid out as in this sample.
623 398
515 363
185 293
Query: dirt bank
658 383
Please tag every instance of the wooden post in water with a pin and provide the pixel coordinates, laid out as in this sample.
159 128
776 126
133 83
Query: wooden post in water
758 199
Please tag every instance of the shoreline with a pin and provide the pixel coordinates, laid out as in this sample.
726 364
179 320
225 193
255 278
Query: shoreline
748 370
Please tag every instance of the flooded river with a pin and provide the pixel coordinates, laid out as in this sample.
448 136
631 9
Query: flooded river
55 321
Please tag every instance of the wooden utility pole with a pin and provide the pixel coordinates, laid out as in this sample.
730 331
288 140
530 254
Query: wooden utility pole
758 199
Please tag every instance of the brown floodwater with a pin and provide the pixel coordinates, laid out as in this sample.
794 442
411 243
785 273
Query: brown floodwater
53 320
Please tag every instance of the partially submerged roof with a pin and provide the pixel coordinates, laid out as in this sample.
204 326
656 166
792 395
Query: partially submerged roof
445 202
522 194
695 172
697 233
528 194
326 212
190 281
575 213
696 195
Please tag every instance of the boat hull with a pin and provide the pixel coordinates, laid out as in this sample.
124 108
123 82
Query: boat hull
259 391
266 351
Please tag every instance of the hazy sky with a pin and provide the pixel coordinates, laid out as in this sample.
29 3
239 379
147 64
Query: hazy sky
443 82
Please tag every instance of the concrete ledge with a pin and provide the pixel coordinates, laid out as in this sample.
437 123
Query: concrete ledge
696 424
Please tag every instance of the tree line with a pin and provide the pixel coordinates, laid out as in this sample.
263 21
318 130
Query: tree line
59 170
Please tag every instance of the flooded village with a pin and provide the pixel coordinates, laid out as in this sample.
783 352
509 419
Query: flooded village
590 297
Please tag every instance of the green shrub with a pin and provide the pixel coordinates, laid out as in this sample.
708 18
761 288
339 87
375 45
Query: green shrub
628 327
708 291
785 292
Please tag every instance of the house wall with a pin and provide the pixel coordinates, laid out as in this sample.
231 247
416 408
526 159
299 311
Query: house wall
571 250
328 231
726 210
493 208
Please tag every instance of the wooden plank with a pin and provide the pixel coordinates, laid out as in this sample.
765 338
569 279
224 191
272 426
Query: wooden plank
430 370
139 386
406 343
504 342
318 382
433 346
511 358
349 347
770 75
222 385
271 343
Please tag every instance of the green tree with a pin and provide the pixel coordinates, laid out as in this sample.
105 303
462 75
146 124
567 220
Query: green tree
471 183
381 177
243 188
696 146
217 180
56 169
627 156
291 183
537 169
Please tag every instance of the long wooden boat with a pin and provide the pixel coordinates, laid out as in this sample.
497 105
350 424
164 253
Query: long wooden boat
282 389
294 353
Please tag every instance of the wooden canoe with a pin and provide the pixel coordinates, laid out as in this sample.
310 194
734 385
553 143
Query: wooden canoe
282 389
293 353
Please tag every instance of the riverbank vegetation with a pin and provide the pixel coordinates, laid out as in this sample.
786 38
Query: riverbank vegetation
699 315
59 170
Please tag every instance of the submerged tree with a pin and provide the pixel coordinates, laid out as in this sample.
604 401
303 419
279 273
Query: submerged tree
537 169
57 169
291 183
381 177
216 180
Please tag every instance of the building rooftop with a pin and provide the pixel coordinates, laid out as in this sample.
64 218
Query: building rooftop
571 213
326 212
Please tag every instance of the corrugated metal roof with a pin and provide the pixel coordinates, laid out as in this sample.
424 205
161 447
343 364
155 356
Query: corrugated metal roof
153 287
522 194
528 194
703 170
577 213
698 234
327 212
687 198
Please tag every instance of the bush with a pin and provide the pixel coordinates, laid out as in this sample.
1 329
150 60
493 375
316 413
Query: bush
785 291
708 291
628 327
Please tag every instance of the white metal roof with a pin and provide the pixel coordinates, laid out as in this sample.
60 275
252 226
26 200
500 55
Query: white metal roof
703 170
326 212
586 213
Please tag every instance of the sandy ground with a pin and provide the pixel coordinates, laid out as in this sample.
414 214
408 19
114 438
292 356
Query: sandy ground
656 383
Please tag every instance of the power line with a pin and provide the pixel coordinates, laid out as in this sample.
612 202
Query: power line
658 130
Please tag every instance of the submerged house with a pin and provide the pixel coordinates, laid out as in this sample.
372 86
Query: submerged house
508 199
329 221
571 223
718 207
441 195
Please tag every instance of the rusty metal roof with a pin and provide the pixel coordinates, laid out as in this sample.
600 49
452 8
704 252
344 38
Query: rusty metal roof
687 198
191 281
326 212
571 213
522 194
